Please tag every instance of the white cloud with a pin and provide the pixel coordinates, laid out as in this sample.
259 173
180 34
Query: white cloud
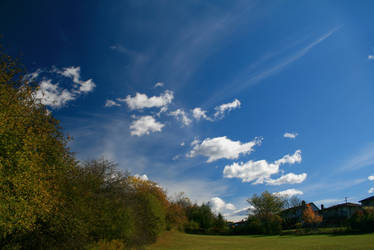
74 73
159 84
51 95
222 147
220 110
182 144
238 214
111 103
198 113
290 135
371 178
259 171
371 57
290 178
143 177
145 125
180 115
141 101
371 190
32 76
218 205
291 159
289 193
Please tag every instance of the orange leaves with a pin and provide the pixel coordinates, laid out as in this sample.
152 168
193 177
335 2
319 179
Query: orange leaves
310 217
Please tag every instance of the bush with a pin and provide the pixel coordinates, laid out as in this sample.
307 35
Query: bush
362 221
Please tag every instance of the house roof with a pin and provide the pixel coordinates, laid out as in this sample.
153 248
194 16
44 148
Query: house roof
299 207
367 199
348 204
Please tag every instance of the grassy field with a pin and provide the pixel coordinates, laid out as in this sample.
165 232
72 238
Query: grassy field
176 240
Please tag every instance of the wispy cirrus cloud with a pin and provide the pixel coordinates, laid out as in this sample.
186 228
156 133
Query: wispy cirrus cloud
251 76
363 158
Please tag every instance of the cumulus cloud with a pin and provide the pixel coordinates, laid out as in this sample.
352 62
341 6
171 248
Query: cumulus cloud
290 135
371 178
74 73
198 114
145 125
143 177
52 95
111 103
371 57
180 115
371 190
222 148
142 101
289 193
260 171
218 205
159 84
220 110
290 178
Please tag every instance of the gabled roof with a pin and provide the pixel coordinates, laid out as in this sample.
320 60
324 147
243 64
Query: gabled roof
348 204
367 199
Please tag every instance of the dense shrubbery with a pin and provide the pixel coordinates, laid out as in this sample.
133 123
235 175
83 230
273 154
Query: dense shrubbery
202 220
362 221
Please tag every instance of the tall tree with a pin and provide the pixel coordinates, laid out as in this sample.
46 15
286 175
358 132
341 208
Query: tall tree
33 155
266 208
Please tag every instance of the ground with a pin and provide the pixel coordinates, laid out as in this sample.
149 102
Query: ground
176 240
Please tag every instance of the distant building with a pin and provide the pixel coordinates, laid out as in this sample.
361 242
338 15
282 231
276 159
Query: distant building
368 202
338 214
294 215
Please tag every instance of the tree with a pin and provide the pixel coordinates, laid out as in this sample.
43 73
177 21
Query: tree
33 157
266 208
310 217
293 201
266 205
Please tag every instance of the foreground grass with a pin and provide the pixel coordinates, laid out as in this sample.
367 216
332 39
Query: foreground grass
176 240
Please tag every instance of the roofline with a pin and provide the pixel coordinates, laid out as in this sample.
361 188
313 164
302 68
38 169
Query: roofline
369 198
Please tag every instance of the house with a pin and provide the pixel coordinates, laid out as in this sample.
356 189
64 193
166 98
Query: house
294 215
338 214
368 202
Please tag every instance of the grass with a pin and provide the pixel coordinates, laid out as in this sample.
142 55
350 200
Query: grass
176 240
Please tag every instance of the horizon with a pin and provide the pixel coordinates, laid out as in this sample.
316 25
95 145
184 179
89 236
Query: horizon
217 99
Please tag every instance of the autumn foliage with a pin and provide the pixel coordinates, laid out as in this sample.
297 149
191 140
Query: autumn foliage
310 217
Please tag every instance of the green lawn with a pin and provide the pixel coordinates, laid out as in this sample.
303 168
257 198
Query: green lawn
175 240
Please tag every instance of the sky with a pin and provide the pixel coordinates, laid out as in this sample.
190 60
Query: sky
217 99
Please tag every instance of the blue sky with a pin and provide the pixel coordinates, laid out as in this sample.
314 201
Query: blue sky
199 95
